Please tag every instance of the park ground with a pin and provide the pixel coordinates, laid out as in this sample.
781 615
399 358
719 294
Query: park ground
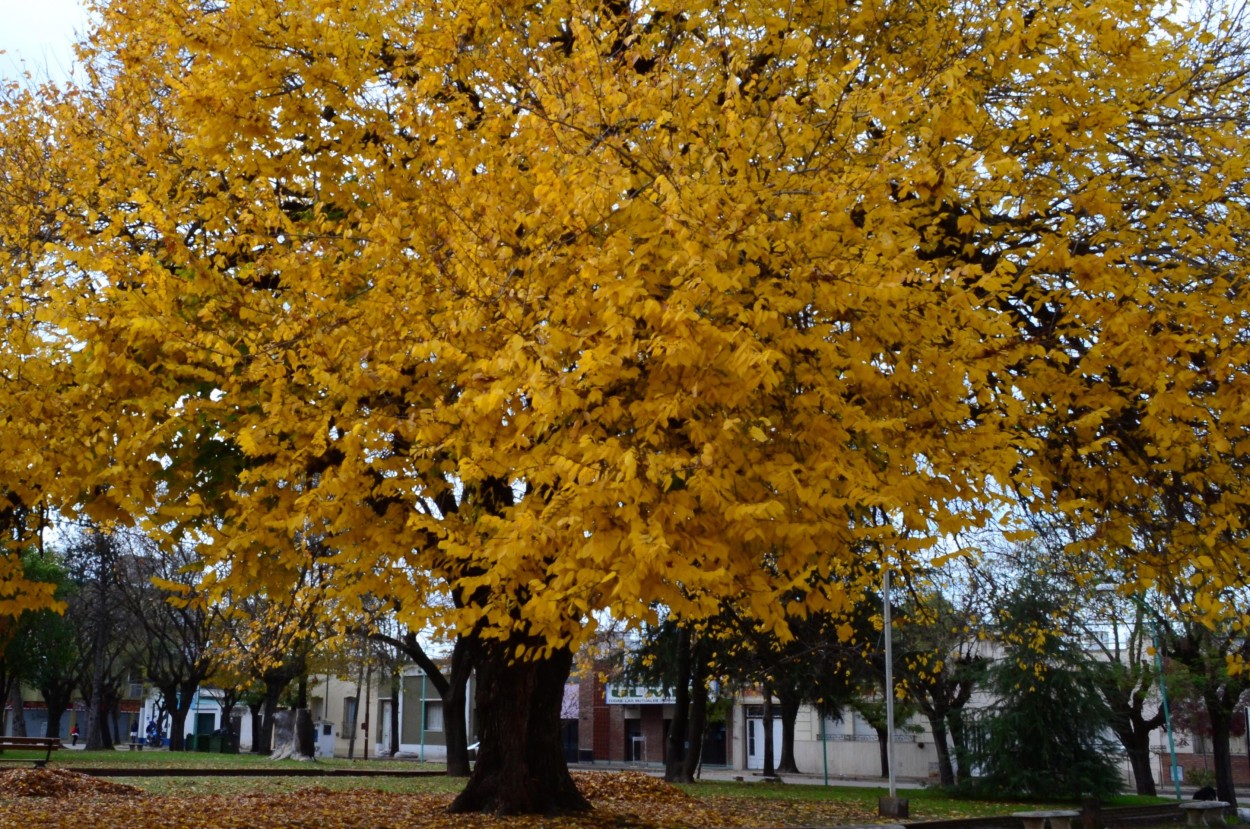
63 796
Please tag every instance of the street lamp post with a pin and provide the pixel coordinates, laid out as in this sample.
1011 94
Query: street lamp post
887 623
1163 693
893 805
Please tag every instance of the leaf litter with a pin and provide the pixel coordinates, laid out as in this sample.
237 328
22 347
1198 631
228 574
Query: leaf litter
63 799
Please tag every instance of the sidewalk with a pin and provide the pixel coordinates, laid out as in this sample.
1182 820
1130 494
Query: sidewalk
747 775
818 778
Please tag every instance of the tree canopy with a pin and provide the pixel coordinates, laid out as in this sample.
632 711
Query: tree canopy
589 305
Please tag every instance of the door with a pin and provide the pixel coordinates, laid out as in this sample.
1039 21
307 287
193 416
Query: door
384 737
755 741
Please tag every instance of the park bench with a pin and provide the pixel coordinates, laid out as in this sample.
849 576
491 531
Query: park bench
1196 811
45 744
1059 818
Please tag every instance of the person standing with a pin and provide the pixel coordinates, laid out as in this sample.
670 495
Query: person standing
73 735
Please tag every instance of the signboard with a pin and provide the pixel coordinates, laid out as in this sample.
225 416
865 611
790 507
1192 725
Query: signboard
637 695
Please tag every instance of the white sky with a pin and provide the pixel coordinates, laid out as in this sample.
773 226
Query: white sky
38 35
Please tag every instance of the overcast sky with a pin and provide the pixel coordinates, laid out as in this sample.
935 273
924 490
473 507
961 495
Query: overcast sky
38 35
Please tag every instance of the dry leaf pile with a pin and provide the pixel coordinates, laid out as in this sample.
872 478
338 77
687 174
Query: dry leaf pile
60 783
60 799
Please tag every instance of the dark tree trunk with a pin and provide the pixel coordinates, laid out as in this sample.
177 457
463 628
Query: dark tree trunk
259 746
788 701
698 721
178 700
1134 738
273 692
53 728
17 706
1221 722
58 695
520 767
946 770
1143 771
770 766
305 733
455 705
452 688
7 680
675 754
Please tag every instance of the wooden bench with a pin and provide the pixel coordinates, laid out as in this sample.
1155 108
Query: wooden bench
1196 811
45 744
1059 818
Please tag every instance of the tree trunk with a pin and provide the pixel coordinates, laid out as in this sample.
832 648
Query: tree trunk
178 701
452 688
96 723
456 706
1136 744
305 731
788 700
770 766
698 722
58 695
520 767
1221 721
675 753
354 725
53 728
305 734
284 740
273 692
946 770
19 710
259 746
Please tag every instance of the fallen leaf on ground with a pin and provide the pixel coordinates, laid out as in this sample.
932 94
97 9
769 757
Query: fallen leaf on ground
70 800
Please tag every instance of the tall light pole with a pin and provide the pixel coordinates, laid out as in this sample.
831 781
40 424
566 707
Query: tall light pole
892 806
1149 612
889 680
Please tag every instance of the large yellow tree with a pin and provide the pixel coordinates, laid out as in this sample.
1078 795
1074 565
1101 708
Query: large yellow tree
557 308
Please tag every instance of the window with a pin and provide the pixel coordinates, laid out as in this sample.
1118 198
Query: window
433 716
349 715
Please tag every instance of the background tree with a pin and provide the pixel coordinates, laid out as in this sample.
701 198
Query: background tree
942 662
450 680
1203 648
49 641
270 640
109 655
174 620
682 659
1045 736
1128 682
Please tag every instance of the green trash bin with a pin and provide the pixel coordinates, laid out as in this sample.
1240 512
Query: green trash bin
215 743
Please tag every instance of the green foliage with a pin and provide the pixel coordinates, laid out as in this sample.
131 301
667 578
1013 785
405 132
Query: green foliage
1200 777
1045 738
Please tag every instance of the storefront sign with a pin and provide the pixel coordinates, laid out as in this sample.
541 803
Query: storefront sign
637 695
